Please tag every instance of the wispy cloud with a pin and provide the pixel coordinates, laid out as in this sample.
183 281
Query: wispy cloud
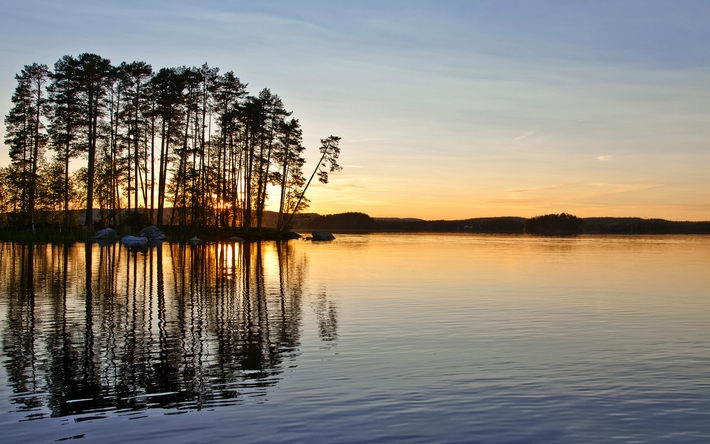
607 189
525 135
605 158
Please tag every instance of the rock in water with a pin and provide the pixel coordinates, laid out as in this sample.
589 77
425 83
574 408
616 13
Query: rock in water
134 241
322 236
152 233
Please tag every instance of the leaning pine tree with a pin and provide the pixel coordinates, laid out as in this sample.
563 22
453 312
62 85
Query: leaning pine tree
330 152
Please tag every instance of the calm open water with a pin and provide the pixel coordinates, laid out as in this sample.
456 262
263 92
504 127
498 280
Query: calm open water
412 338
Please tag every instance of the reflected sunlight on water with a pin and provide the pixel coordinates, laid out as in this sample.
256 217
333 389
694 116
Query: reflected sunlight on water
417 338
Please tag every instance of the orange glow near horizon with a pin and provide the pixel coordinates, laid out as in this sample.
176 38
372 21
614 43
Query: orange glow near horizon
593 200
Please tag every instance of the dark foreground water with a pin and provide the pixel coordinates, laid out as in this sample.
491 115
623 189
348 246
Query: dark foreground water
412 338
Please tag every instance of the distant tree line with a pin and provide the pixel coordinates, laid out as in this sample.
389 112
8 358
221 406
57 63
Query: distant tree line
549 224
555 224
348 221
187 139
635 225
498 225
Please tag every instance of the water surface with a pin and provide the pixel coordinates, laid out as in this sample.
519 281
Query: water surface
416 338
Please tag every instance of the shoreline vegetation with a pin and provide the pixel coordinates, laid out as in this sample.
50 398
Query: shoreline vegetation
562 224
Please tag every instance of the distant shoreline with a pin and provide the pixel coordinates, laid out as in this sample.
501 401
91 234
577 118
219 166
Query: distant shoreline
359 222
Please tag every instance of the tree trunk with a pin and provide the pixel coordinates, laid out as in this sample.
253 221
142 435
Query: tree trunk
93 121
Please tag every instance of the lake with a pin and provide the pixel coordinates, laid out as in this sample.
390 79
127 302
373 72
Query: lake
368 338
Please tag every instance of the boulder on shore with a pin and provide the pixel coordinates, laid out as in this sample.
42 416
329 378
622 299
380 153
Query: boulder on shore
152 233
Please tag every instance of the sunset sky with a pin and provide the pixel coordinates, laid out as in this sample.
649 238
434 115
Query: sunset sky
446 109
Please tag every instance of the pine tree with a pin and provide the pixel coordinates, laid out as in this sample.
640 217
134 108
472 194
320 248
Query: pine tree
168 87
88 76
25 134
133 115
65 122
228 95
288 156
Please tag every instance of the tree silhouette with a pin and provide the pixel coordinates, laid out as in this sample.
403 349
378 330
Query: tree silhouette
87 78
65 123
328 163
289 156
25 133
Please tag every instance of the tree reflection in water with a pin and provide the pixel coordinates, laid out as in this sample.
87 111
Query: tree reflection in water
90 330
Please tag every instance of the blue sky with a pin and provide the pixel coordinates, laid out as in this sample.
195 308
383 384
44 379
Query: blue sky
447 109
